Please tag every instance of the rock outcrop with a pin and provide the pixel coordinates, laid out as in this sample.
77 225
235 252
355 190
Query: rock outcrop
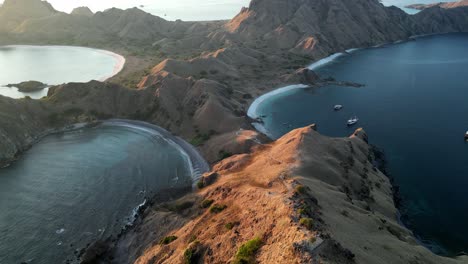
82 11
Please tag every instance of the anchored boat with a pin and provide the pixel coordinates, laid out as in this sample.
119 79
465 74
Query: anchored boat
466 136
338 107
352 121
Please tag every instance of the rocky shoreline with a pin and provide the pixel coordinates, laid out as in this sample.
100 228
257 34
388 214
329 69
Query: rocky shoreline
34 140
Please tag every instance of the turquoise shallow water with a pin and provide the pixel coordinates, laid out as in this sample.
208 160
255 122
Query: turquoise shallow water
75 187
414 106
53 65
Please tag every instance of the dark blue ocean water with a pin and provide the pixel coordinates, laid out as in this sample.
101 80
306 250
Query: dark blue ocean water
415 107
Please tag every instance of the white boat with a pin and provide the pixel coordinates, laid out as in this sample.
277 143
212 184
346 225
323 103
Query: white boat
338 107
352 121
466 136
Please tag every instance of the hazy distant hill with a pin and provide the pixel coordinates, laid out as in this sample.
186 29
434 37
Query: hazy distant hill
35 20
441 5
14 12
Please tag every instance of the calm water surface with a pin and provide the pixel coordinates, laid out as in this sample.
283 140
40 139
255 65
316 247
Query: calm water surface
53 65
402 3
75 187
414 106
188 10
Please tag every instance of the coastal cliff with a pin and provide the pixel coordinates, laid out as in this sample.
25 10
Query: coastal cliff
21 124
307 197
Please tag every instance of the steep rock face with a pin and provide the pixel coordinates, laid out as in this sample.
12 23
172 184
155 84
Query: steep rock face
21 123
318 28
327 25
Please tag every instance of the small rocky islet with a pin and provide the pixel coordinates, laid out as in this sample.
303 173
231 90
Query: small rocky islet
28 86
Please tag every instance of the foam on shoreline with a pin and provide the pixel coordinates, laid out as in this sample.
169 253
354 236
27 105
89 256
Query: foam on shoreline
325 61
195 161
252 112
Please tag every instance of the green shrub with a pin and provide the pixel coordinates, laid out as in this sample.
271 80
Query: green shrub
200 184
231 225
192 253
217 208
189 256
180 206
224 154
307 222
301 189
192 238
304 210
246 252
167 240
199 139
313 239
206 203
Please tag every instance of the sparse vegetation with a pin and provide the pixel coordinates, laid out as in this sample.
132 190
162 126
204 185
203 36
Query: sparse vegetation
313 239
231 225
189 254
167 240
224 154
206 203
217 208
192 238
246 253
306 222
201 138
192 254
180 206
301 189
201 184
304 210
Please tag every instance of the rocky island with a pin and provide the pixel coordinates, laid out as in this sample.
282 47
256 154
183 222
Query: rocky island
29 86
304 198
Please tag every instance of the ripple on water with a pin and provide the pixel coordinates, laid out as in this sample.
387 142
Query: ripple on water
72 188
